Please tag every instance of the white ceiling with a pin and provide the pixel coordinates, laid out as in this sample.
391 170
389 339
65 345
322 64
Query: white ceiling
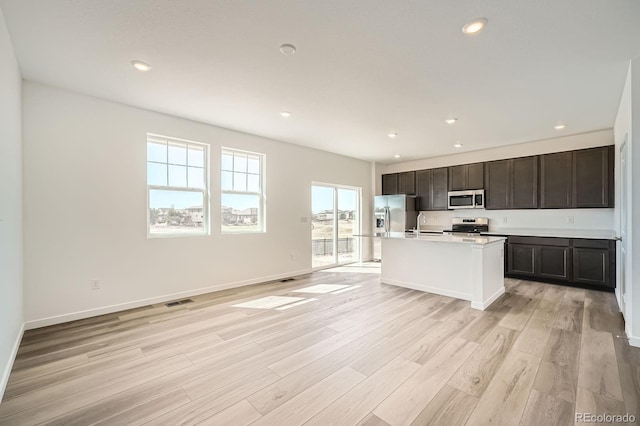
363 68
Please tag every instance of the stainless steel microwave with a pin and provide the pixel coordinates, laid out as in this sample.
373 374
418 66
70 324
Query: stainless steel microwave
466 199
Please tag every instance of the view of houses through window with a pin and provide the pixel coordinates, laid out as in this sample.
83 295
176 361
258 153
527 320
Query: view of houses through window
242 191
177 182
335 220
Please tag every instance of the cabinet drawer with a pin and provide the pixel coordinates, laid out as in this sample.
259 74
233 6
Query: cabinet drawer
602 244
540 241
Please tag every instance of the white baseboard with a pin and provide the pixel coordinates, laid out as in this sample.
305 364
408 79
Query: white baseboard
633 341
484 305
7 370
58 319
427 289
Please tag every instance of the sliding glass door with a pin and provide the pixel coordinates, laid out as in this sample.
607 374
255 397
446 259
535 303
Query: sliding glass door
335 220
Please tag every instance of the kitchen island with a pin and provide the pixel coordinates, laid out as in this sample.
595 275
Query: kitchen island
468 268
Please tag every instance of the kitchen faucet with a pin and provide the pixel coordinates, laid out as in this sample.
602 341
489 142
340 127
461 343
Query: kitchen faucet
418 223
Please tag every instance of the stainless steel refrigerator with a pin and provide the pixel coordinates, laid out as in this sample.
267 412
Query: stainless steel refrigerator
393 213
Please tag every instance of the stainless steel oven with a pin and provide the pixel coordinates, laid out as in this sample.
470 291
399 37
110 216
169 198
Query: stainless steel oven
468 226
466 199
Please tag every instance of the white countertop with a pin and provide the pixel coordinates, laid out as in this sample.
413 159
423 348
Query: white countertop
599 234
442 238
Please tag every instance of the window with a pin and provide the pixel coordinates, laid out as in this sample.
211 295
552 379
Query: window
177 187
242 197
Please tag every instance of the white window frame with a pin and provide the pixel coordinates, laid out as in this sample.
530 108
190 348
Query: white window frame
205 191
262 198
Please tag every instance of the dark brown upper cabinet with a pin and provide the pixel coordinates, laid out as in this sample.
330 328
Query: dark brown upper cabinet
390 184
556 180
577 179
399 183
431 189
407 183
512 184
466 176
524 183
593 177
497 184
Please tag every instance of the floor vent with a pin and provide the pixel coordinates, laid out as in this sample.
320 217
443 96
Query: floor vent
286 280
178 302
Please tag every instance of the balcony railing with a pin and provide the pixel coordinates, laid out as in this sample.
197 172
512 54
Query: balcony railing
324 246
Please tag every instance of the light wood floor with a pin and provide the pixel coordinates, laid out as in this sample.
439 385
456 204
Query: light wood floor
368 355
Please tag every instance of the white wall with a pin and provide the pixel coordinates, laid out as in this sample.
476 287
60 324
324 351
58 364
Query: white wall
85 209
11 317
580 219
627 120
565 219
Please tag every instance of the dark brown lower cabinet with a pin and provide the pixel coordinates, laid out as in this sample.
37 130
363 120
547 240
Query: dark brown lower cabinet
594 262
585 262
539 261
521 259
553 262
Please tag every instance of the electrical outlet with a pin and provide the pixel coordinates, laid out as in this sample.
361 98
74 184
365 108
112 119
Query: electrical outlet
95 284
570 219
292 256
304 219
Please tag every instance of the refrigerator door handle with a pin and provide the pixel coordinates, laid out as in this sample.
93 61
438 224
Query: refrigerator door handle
387 219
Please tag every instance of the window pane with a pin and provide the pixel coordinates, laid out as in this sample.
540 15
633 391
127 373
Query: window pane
196 177
227 181
177 176
227 161
239 163
240 213
157 151
253 183
239 182
196 156
156 174
176 212
253 164
177 153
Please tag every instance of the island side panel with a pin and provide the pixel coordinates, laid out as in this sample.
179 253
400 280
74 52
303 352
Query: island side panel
488 283
434 267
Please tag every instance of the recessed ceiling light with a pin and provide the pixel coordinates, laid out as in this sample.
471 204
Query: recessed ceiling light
474 27
559 126
450 120
393 135
396 156
141 66
285 114
457 145
288 49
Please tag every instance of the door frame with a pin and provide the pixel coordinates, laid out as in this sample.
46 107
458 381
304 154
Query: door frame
357 231
624 218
